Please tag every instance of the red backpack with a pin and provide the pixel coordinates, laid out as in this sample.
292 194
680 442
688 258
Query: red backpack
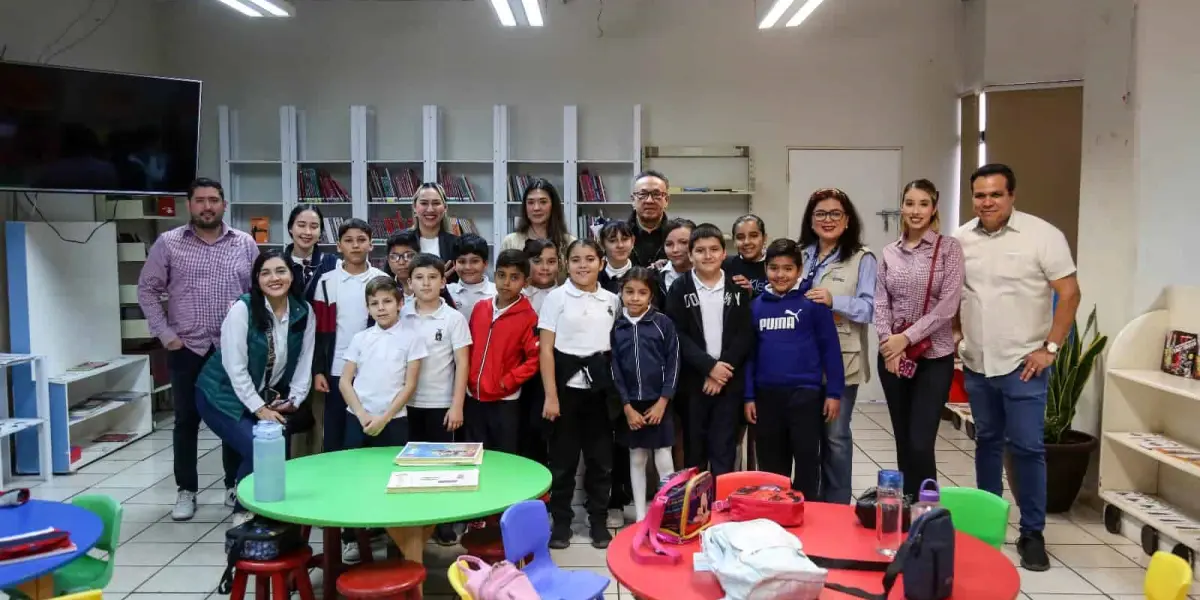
680 510
782 505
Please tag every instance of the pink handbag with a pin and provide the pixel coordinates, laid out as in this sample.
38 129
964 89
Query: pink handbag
646 536
501 581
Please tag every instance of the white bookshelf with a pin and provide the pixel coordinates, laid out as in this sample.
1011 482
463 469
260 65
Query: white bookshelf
1150 444
24 423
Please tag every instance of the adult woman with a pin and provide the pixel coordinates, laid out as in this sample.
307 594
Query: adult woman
542 218
432 226
308 263
263 367
912 305
839 272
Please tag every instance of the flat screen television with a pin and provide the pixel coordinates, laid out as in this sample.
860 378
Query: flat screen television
76 130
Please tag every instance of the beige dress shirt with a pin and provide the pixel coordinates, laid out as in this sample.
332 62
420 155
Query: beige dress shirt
1007 301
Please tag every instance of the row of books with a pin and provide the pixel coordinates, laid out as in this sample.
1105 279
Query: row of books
392 185
591 224
425 454
458 187
97 402
318 186
591 188
383 226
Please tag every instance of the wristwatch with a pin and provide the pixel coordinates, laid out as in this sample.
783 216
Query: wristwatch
1050 347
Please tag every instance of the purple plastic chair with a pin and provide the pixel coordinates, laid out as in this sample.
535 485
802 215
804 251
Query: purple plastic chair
525 529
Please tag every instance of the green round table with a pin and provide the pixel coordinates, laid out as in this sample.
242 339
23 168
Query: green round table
349 489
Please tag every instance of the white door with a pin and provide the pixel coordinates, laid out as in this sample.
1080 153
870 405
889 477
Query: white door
871 178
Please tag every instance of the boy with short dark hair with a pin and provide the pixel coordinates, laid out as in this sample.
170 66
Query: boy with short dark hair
504 355
471 267
798 355
340 307
712 316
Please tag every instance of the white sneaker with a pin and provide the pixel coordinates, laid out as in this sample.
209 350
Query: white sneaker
185 506
350 552
616 518
241 518
230 497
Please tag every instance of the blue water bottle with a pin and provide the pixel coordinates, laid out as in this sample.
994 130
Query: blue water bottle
889 511
269 456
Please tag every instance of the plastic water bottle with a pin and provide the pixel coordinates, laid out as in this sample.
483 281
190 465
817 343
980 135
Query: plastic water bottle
889 507
269 457
927 500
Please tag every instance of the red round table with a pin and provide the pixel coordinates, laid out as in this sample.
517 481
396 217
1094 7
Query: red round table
981 572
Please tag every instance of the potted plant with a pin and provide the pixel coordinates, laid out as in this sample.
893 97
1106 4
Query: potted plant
1068 452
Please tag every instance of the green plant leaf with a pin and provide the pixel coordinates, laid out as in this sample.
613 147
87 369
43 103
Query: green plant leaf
1073 368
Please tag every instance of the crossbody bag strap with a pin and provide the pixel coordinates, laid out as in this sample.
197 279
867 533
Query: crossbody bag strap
266 382
891 570
929 286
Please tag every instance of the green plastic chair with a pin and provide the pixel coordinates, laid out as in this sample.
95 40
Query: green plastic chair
978 513
86 572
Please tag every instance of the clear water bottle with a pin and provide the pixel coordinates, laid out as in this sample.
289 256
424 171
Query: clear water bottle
889 507
927 499
269 456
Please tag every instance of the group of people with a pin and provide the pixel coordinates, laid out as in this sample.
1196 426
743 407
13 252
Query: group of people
647 345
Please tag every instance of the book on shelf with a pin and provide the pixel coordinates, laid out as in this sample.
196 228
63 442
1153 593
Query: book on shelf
383 226
590 225
421 454
517 185
88 366
1179 355
591 187
11 426
461 480
86 408
317 186
458 187
119 396
260 229
392 185
112 437
462 225
329 229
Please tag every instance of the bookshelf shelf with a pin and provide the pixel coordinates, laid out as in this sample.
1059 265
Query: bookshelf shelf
31 428
254 162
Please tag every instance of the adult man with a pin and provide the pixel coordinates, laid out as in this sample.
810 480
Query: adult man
202 267
650 200
1014 264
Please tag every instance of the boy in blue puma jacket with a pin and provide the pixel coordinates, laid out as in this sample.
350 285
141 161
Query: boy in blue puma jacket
797 355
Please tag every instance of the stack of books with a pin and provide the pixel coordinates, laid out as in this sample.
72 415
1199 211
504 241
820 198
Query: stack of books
428 454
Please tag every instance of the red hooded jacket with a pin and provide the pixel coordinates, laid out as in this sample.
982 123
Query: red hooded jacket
504 351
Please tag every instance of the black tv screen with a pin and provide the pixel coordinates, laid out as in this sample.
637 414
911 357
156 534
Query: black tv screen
75 130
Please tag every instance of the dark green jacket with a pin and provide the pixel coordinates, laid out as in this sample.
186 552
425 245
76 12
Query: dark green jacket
214 381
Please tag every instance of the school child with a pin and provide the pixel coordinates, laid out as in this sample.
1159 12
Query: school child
545 267
340 307
381 370
471 267
797 350
749 266
676 234
712 316
646 371
581 400
616 237
402 247
503 358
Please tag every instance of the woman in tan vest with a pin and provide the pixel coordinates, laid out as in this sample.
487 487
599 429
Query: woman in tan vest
839 271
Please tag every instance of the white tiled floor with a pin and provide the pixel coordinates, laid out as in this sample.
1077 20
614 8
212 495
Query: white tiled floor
162 559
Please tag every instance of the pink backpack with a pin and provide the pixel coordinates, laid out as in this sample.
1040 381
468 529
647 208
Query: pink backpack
501 581
680 511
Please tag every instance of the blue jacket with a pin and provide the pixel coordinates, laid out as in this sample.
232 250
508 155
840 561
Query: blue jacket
645 357
322 262
797 345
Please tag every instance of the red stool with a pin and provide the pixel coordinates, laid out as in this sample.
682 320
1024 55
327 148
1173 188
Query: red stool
389 579
270 574
484 543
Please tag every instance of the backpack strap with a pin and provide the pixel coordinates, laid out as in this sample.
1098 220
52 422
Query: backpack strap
891 570
235 552
646 535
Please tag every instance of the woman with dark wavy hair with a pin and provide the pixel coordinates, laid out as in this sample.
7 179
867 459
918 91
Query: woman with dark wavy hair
542 218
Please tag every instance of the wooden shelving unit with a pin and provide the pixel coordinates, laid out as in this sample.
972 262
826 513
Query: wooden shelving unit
1150 444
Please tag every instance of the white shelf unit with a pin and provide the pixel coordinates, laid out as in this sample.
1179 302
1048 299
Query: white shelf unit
713 184
23 423
132 419
432 140
138 225
1151 422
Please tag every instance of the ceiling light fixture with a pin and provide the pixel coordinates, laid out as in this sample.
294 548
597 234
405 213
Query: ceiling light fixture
803 13
533 12
775 13
504 13
275 8
241 7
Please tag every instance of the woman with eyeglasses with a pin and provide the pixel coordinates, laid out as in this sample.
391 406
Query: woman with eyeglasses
840 272
402 248
542 218
433 227
304 255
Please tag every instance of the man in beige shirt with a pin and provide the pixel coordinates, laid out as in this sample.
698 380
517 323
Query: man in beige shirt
1015 263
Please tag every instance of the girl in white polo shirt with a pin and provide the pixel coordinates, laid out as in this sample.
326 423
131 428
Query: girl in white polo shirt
575 322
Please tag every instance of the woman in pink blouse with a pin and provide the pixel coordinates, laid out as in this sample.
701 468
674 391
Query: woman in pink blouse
914 309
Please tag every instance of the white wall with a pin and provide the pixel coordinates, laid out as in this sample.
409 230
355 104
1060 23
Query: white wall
1030 41
854 75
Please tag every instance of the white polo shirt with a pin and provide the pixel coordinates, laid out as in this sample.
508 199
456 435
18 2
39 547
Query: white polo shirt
669 275
382 357
712 313
581 322
1007 301
466 295
352 312
537 296
443 331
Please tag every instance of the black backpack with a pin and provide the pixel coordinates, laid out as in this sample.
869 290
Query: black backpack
258 539
926 559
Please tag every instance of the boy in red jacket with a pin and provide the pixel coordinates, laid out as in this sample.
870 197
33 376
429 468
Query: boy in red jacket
504 355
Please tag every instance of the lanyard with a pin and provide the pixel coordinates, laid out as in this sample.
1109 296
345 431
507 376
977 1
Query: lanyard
811 276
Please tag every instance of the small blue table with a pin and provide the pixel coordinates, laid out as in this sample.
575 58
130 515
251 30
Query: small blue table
84 526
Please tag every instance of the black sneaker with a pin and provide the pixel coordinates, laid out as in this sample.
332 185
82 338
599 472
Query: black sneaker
444 535
560 536
1032 548
601 536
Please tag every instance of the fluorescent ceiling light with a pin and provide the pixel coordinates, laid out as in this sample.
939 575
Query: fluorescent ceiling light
803 13
241 7
275 8
775 13
504 13
533 12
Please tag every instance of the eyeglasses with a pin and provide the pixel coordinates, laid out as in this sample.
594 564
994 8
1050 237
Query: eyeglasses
828 215
644 194
402 257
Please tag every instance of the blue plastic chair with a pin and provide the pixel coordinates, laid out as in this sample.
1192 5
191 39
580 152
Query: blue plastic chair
525 529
